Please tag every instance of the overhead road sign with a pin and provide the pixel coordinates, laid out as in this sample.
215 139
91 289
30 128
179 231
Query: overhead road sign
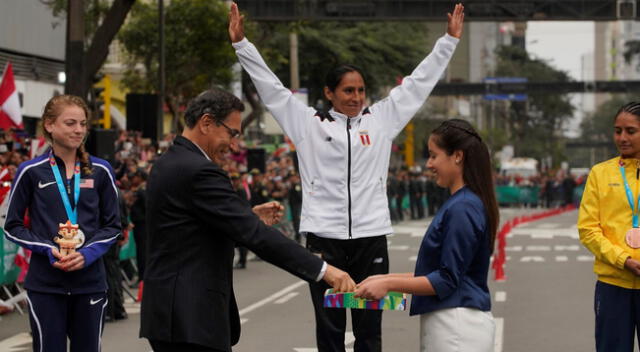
518 85
434 10
501 88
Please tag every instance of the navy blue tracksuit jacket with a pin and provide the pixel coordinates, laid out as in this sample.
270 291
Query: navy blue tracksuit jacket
34 189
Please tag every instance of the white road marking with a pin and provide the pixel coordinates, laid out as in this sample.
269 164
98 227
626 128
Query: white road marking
532 258
573 247
499 335
513 249
413 258
306 349
243 320
15 343
501 296
398 248
271 298
545 236
418 230
548 226
286 298
538 248
586 258
562 258
545 233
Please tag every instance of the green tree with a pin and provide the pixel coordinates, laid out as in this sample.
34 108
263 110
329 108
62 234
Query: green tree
534 126
596 140
386 51
91 24
598 126
198 54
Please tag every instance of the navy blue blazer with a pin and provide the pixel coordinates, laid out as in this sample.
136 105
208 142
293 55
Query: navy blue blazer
454 256
194 219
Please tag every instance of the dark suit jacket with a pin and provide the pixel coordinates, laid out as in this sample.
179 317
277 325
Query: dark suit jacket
194 218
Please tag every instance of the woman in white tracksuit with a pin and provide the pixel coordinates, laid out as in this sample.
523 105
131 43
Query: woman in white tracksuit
344 157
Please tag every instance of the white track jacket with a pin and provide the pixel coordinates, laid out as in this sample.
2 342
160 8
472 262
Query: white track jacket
344 161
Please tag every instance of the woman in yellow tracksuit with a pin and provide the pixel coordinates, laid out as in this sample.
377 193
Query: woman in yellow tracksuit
609 227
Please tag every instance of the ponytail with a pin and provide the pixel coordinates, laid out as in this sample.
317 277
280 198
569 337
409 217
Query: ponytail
456 134
83 156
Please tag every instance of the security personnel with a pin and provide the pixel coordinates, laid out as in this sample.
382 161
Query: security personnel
242 251
295 202
259 192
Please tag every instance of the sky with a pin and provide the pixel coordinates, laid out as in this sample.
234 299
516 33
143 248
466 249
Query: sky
562 44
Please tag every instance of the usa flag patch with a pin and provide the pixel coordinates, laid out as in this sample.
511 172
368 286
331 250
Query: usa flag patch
86 183
364 138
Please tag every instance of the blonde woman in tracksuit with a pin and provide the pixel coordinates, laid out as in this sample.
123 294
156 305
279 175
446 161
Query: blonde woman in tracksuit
609 227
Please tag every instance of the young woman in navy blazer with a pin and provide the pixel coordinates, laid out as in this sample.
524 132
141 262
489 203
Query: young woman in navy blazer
449 285
66 293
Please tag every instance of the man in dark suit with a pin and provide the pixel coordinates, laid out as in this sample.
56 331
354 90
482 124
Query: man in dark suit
194 218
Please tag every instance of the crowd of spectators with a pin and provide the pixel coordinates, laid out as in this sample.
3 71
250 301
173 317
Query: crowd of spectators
412 192
554 188
277 178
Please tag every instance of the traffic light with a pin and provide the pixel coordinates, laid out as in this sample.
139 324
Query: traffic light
101 94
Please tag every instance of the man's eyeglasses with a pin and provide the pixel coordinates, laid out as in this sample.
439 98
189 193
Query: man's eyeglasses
232 131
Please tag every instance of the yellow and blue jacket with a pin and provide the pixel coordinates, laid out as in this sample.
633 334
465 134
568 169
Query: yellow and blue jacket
605 217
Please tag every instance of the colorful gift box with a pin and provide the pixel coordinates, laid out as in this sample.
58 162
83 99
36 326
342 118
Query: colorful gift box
392 301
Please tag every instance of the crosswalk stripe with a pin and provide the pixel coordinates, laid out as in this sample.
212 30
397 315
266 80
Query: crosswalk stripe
499 335
573 247
585 258
544 233
532 258
548 226
538 248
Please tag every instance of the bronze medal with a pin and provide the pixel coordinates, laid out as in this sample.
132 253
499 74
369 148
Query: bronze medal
633 238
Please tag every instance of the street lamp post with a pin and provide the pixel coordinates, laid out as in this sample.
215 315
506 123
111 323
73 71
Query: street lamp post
161 70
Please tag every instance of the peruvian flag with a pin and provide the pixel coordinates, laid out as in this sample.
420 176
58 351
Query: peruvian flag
38 146
10 115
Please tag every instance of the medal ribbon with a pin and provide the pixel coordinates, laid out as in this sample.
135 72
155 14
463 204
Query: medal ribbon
634 210
72 213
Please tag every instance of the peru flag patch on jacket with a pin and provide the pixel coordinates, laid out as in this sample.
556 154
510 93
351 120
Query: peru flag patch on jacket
364 138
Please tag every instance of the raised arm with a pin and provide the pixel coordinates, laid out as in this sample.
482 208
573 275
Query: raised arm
236 24
455 21
404 100
291 114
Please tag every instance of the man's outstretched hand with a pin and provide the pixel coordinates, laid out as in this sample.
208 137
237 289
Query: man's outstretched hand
338 279
270 213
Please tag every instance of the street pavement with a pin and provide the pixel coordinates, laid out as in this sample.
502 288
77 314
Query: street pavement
545 304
